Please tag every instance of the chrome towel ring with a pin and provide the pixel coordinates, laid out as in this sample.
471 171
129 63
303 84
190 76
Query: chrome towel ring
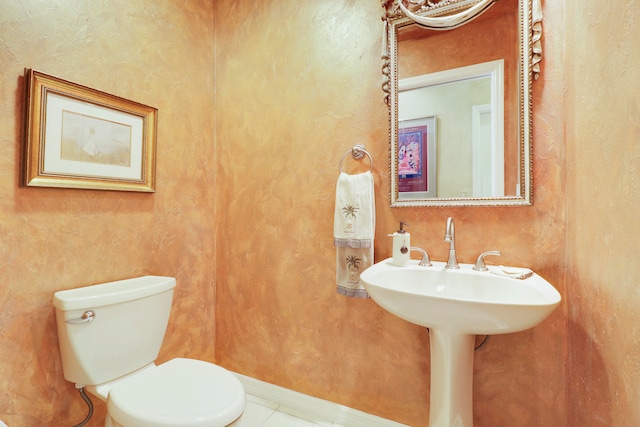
357 152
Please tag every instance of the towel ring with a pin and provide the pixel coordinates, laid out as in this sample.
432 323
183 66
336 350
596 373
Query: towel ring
357 152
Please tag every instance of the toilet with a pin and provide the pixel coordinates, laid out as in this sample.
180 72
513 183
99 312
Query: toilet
110 336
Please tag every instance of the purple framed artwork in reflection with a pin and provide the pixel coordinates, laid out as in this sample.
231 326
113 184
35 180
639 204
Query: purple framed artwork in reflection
413 149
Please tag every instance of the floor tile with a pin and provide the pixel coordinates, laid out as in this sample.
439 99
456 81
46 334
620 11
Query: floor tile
321 422
254 415
280 419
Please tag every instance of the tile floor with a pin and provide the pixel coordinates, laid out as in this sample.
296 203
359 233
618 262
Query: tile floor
263 413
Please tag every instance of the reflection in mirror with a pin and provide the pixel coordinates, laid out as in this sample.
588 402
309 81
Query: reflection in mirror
474 153
460 109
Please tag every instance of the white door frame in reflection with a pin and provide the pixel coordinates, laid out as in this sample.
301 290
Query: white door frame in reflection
476 85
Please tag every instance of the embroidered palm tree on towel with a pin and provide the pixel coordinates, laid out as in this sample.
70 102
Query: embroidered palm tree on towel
353 267
350 213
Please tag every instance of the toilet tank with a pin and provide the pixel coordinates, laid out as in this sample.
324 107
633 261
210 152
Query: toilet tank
126 333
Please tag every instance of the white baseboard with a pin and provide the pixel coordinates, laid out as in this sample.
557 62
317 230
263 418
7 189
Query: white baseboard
312 408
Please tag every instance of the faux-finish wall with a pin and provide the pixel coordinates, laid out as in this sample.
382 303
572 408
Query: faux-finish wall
603 203
158 53
297 85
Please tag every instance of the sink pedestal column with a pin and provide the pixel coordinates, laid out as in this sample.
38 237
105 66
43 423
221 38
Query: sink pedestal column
451 379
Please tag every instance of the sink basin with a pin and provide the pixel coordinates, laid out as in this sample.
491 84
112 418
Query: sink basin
457 305
464 300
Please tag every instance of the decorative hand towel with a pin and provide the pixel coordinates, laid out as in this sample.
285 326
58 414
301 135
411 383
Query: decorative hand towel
353 231
354 217
350 262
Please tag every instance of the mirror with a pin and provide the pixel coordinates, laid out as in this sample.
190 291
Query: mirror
460 104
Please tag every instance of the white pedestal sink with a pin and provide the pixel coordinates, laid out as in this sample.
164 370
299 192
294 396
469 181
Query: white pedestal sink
457 305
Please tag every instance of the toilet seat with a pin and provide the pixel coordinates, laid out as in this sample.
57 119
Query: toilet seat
178 393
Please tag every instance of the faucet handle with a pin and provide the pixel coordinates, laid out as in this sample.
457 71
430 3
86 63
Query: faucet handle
480 265
425 261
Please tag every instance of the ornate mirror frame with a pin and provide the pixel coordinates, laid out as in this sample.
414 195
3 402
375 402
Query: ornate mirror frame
530 54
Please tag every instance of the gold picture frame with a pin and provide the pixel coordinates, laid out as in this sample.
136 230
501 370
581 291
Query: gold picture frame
78 137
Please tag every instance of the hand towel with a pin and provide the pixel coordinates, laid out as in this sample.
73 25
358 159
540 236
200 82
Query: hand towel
354 216
350 262
353 231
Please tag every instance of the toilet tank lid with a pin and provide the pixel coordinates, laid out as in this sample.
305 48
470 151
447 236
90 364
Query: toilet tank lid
112 292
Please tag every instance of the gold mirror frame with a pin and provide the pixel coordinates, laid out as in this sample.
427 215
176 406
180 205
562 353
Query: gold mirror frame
530 55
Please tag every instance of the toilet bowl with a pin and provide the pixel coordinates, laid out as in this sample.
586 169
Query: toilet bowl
110 335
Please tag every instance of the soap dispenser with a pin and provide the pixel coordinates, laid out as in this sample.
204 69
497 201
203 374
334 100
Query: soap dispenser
401 245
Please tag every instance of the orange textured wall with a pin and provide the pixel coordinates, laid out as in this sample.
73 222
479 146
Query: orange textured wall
155 52
603 238
298 84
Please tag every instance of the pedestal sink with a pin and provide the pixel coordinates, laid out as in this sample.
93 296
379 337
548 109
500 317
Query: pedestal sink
457 305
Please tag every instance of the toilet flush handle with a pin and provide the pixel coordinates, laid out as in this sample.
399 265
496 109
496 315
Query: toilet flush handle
87 316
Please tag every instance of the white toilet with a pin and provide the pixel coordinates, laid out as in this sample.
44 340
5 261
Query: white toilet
110 335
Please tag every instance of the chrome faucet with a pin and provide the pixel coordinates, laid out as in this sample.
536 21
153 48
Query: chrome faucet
450 236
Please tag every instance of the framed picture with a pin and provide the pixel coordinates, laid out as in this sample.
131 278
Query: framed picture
416 158
78 137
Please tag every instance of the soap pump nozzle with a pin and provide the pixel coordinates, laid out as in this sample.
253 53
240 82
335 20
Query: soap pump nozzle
405 247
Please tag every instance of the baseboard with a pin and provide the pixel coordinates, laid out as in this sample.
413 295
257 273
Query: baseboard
312 408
